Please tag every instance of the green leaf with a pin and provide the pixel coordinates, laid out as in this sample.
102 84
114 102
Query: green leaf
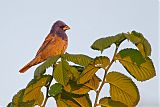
79 68
73 87
134 54
133 61
75 73
108 102
9 104
33 90
104 43
79 59
83 100
62 73
122 89
40 70
141 42
65 102
92 68
17 100
88 73
71 100
61 102
93 83
101 62
55 89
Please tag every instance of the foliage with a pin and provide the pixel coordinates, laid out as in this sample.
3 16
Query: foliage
74 82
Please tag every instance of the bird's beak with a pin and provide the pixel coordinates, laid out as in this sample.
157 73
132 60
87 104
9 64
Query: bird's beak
66 28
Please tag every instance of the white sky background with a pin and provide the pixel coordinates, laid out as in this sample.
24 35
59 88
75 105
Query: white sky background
25 24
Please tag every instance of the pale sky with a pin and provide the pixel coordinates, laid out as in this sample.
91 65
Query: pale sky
25 24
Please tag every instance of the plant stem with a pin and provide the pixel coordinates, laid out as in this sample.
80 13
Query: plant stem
47 95
47 90
103 81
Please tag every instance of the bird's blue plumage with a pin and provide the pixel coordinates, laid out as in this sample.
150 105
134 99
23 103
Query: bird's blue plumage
57 29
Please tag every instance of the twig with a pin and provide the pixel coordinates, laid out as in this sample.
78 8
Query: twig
47 95
47 90
103 81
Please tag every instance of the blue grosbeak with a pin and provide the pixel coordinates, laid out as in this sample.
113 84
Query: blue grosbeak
55 44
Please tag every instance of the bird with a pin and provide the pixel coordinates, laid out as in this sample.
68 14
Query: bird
54 44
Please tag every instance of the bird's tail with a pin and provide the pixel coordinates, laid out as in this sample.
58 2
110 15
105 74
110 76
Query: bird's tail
35 61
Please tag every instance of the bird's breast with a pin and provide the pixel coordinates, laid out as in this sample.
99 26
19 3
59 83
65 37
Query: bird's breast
56 47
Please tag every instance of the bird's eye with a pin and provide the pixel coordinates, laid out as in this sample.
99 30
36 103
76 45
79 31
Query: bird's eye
61 26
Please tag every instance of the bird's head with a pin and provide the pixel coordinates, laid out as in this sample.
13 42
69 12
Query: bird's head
59 26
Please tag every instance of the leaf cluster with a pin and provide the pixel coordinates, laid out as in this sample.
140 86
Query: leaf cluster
74 82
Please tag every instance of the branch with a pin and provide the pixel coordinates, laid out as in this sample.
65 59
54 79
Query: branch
103 81
47 94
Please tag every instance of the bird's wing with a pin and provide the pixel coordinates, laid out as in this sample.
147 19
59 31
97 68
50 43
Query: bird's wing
48 39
